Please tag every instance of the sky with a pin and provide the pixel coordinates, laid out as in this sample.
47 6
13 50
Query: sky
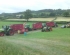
12 6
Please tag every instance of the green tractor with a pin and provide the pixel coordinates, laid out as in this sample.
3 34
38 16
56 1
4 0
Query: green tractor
6 30
46 28
27 26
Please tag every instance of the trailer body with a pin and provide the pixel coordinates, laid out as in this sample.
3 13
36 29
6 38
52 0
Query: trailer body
51 24
37 25
19 27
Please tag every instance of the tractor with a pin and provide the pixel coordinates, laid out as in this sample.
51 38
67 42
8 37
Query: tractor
52 24
6 30
68 25
27 27
46 28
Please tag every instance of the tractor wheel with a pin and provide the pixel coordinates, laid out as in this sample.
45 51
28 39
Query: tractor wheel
11 33
1 34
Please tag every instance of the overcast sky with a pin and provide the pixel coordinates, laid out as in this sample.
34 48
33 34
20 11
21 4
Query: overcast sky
10 6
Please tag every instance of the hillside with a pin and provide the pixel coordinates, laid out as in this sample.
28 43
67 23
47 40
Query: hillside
44 13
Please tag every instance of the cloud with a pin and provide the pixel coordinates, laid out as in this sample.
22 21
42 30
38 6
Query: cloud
21 5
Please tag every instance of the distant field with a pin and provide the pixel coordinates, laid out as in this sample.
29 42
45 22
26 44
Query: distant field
63 19
44 19
41 19
33 19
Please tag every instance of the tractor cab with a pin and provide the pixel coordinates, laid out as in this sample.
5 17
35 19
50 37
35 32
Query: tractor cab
43 24
27 26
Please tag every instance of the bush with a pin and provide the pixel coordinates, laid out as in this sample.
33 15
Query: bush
61 22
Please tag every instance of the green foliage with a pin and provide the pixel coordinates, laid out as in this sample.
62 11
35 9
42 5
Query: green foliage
2 18
37 14
52 14
62 22
43 15
34 15
27 14
21 17
66 14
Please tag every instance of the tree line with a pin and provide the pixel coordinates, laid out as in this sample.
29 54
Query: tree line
36 14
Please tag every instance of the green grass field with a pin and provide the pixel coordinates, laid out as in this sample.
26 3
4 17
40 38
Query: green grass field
56 42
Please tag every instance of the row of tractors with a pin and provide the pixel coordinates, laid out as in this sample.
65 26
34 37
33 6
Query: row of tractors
66 25
14 28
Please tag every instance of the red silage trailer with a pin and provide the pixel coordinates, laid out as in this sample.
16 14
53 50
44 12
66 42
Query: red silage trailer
19 27
37 25
51 24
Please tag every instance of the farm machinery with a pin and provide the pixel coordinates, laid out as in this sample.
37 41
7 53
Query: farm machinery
52 24
66 26
12 29
37 25
1 32
21 28
46 28
6 30
27 26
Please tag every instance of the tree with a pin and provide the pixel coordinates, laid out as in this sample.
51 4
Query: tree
27 14
52 14
43 15
21 17
66 14
2 18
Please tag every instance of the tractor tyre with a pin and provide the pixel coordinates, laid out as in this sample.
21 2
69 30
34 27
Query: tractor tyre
2 34
11 33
